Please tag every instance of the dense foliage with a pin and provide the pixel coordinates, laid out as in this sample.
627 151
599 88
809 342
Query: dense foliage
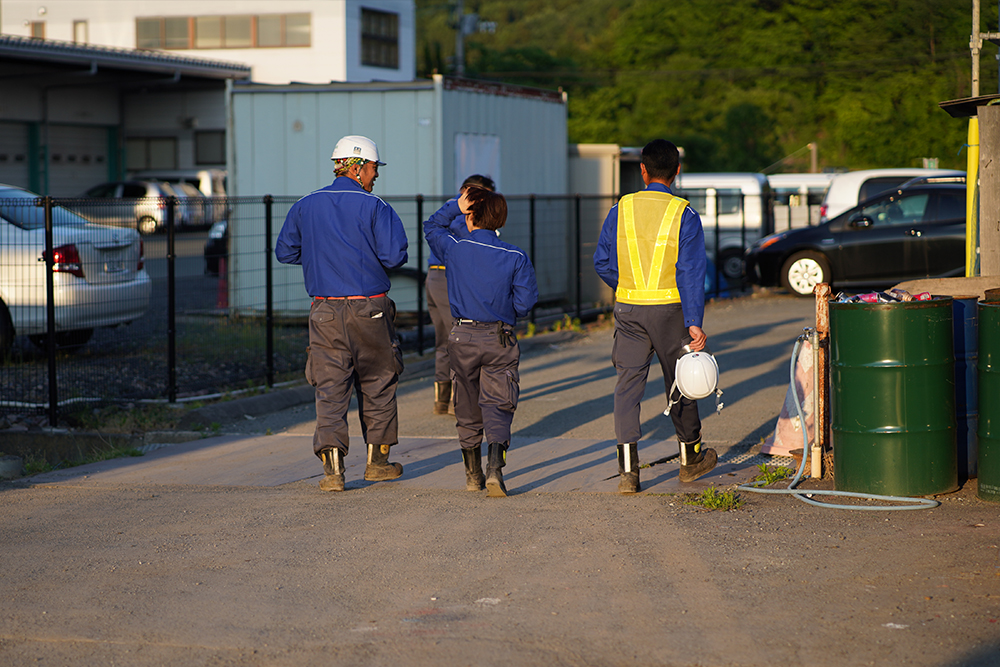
741 84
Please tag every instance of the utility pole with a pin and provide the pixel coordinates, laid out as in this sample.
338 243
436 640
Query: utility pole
460 38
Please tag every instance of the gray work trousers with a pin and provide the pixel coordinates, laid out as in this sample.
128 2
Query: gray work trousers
353 344
639 332
441 318
486 384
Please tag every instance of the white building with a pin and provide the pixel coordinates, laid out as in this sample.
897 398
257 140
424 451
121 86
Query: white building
310 41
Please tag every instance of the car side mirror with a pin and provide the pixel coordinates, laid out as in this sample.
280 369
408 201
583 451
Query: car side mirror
861 222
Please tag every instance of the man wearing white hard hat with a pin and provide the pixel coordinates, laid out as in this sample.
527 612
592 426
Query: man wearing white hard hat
652 253
345 238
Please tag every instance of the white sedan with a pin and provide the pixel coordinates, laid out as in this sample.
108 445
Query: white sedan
98 273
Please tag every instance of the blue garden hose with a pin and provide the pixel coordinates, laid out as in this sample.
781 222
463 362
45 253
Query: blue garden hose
804 496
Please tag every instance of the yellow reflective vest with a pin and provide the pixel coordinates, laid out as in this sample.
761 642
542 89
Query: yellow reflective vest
649 225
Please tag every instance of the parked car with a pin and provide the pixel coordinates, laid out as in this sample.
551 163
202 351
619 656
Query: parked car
98 273
216 247
138 204
210 182
914 231
193 206
850 188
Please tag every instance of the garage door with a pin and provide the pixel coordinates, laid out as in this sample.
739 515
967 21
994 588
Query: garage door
78 159
14 154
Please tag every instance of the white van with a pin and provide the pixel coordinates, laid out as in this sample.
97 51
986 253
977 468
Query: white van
849 189
798 198
735 208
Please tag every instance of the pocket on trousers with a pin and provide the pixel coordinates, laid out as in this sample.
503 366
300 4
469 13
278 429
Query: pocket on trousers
310 378
459 337
397 357
513 388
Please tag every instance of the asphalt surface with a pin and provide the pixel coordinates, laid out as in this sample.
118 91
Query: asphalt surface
223 550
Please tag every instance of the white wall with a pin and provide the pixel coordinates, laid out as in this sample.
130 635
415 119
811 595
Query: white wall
334 54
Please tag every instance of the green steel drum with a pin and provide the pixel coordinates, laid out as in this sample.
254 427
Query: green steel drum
989 401
892 373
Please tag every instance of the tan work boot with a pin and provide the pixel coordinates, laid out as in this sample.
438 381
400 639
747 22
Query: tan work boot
333 467
628 468
442 398
696 461
379 469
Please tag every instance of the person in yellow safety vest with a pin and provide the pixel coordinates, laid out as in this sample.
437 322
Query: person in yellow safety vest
652 253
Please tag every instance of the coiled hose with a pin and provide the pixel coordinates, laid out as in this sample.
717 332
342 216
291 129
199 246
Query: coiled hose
805 496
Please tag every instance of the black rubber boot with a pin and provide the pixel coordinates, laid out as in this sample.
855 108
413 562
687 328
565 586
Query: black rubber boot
696 461
628 468
379 469
494 478
474 478
333 467
442 398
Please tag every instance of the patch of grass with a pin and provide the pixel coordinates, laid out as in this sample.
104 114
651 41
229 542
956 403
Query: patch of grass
35 464
112 453
713 499
567 323
771 475
128 418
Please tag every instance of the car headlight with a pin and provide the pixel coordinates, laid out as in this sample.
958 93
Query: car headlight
218 230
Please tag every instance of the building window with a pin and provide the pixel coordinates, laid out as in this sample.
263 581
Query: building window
38 29
210 147
151 153
223 32
379 39
80 32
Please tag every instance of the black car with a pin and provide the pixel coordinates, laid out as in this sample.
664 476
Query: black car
914 231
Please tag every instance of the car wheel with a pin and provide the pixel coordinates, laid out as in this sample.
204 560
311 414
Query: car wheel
731 263
65 340
803 271
6 331
147 225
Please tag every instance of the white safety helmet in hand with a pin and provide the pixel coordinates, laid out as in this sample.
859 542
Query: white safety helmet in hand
356 146
696 376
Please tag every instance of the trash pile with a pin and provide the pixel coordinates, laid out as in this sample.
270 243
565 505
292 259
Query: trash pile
894 295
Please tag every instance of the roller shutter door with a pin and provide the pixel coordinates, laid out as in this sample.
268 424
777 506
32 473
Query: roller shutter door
78 159
14 154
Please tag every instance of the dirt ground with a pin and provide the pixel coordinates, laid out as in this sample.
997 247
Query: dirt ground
419 574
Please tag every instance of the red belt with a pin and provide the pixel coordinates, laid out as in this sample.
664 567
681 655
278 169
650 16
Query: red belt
337 298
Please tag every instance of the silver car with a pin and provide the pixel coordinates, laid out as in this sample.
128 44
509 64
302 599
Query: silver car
98 273
139 204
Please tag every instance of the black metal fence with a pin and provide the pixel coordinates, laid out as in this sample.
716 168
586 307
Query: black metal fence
97 313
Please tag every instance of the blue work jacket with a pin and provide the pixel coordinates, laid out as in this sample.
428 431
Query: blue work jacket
451 216
489 280
345 238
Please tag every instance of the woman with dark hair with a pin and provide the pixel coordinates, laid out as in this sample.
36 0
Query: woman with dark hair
490 284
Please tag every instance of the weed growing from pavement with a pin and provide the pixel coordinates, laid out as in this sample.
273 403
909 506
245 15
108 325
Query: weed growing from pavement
712 499
771 475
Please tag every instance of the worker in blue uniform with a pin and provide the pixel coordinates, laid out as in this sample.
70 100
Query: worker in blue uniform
437 294
345 238
490 284
651 251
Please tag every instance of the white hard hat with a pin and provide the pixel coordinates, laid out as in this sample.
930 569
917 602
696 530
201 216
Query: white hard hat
696 376
356 146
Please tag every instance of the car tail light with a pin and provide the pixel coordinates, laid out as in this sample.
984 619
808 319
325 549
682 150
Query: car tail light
142 253
822 212
66 259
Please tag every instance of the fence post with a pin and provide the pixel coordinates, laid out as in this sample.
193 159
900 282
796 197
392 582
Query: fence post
171 305
420 277
50 314
743 232
715 261
269 287
531 243
579 248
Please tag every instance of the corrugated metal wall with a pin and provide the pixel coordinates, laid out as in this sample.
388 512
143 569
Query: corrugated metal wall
282 138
